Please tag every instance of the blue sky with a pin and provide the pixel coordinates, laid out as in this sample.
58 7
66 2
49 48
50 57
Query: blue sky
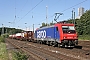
21 11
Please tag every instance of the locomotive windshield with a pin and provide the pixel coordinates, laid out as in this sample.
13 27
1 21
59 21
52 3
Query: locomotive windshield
68 29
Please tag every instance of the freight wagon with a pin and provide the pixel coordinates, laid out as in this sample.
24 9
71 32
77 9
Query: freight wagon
60 34
27 35
17 36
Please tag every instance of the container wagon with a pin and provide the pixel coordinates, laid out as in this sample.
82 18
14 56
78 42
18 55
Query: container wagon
27 35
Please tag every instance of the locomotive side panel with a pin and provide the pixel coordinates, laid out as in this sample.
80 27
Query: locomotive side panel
45 33
48 34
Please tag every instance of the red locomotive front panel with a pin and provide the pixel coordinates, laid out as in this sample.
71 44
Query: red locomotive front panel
69 32
68 35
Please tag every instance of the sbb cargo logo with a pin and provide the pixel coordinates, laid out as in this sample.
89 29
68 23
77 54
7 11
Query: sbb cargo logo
41 34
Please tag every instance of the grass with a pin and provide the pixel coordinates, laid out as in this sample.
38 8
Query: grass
2 39
3 52
84 37
19 56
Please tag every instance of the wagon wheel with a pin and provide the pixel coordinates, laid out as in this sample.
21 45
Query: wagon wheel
59 45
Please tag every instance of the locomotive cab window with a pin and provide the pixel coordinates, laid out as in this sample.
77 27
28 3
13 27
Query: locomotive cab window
68 29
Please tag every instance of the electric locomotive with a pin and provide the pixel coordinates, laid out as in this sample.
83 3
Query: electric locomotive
60 34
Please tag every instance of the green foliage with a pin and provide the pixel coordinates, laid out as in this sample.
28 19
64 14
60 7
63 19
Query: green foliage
84 37
45 24
70 21
20 56
3 51
10 30
2 39
83 24
5 35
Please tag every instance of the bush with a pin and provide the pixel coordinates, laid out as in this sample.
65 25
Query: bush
84 37
3 51
2 39
20 56
5 35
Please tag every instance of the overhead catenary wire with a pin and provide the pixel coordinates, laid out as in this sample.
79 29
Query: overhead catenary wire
19 12
68 8
48 18
22 7
74 6
30 10
53 14
15 14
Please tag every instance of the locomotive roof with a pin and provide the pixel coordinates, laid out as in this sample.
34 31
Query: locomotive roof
45 27
53 25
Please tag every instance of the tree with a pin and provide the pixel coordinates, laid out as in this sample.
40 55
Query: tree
11 30
83 24
43 25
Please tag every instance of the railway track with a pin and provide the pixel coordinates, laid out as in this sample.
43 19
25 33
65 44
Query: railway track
36 53
24 49
44 52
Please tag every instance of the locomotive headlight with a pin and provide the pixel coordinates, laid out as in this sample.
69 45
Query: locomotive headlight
64 37
75 37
